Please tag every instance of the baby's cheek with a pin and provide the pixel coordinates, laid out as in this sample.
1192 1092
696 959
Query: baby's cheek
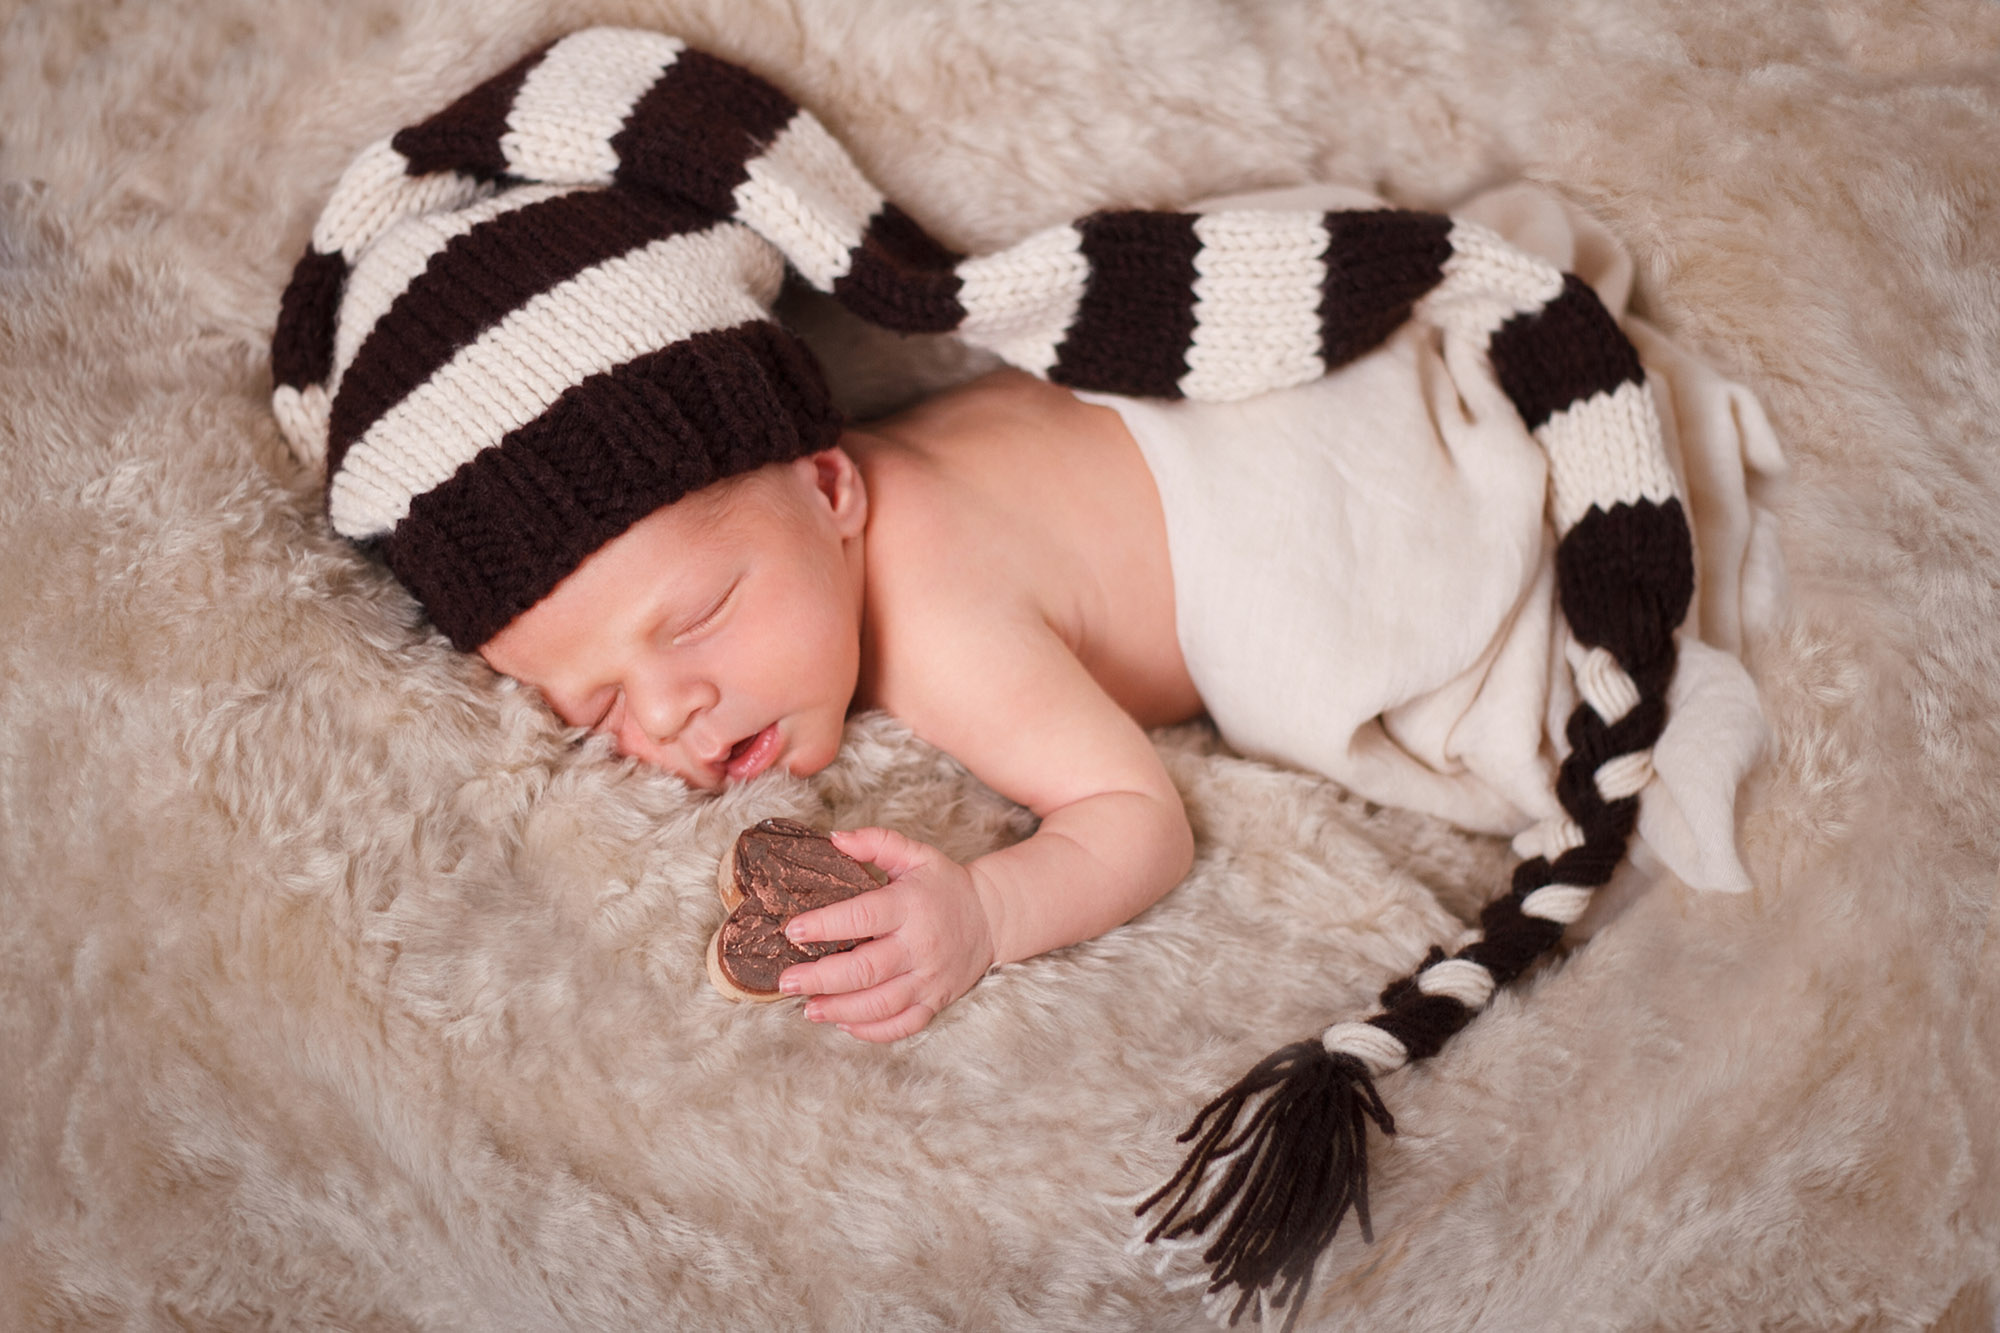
811 757
633 743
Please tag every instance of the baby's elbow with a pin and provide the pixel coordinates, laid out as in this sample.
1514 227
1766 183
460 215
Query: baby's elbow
1175 839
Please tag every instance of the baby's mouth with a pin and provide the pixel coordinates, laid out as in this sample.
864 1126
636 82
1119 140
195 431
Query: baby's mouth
751 755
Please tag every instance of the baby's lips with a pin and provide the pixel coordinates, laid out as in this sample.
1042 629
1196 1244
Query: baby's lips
752 755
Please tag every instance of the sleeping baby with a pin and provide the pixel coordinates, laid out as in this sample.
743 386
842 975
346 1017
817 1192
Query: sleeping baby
531 345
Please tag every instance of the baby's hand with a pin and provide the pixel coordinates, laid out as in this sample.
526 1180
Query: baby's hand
931 939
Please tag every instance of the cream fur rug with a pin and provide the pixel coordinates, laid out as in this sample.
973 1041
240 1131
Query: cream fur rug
339 990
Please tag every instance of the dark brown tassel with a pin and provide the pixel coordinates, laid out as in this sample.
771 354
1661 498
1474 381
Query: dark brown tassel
1293 1170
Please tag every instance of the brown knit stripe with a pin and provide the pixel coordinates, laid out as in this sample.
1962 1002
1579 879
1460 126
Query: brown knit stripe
465 136
1379 263
480 277
1561 354
1625 578
901 278
694 132
302 344
1423 1023
1512 940
491 541
1607 825
1136 317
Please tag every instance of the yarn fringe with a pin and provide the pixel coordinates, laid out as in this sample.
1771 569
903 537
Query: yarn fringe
1287 1178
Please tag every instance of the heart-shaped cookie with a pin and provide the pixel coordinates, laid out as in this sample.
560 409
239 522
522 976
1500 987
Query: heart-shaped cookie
776 870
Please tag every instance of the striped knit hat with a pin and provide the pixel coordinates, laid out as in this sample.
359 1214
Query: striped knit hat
530 320
509 340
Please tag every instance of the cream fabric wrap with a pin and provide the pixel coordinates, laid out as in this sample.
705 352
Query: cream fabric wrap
1365 581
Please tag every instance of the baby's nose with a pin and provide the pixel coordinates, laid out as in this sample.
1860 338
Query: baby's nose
665 714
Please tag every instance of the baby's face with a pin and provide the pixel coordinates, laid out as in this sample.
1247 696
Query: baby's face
718 637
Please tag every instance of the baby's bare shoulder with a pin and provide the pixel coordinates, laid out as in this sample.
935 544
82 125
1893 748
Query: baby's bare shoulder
938 527
951 601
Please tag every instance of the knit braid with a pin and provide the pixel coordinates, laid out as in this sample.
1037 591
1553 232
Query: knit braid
1214 306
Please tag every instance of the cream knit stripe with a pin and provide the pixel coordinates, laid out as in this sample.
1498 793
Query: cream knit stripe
1625 775
1257 293
1560 903
1605 686
401 254
1460 978
806 196
605 316
1548 838
1020 302
1486 282
1604 451
576 99
1373 1047
377 191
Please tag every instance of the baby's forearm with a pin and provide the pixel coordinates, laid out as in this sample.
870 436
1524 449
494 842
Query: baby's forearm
1094 864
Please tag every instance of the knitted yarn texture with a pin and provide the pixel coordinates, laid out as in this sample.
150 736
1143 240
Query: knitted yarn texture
527 322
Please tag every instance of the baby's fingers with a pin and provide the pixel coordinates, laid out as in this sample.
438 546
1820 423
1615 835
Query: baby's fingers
859 968
895 854
908 1023
861 917
873 1005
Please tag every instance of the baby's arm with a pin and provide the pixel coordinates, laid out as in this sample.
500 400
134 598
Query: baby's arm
1011 702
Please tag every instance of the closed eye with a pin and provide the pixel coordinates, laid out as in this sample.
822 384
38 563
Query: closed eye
708 617
607 719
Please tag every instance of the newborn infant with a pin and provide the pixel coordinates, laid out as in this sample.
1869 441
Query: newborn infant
1390 495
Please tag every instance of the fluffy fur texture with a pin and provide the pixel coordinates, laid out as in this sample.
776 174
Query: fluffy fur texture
340 989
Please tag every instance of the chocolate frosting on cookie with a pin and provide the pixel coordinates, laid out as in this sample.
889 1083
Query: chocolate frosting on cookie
783 868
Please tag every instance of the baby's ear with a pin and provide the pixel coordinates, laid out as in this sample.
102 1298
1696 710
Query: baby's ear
839 482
